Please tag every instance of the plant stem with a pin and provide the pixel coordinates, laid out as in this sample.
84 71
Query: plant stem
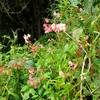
82 78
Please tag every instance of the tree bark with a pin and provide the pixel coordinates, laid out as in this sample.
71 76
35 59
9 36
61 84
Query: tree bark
36 18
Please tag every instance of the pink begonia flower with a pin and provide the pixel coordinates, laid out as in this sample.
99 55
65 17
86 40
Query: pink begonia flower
63 27
59 27
54 27
31 70
72 65
27 38
56 14
47 28
80 46
46 20
33 82
30 77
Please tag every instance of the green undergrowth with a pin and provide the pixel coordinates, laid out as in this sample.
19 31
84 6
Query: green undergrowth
60 65
56 78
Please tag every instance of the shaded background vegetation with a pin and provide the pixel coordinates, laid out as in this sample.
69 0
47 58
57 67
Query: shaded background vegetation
27 16
60 65
23 15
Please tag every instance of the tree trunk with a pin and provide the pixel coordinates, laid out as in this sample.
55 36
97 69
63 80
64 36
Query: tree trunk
36 19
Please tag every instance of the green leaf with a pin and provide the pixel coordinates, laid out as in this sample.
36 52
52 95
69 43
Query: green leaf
47 74
65 47
74 2
25 88
32 91
26 95
77 33
28 64
2 98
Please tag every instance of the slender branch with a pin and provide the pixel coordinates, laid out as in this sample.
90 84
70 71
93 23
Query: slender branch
89 66
88 87
23 8
5 9
96 89
96 38
18 12
82 78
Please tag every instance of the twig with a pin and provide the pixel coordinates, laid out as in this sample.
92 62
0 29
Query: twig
89 65
88 87
5 9
82 78
14 12
95 89
96 38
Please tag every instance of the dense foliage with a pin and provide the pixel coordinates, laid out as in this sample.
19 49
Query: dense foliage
63 64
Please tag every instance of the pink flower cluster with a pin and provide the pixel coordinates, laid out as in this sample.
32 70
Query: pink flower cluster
54 27
56 14
72 65
31 80
27 38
